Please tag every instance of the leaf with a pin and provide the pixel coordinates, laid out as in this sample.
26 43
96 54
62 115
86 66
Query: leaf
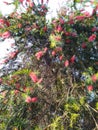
53 44
97 105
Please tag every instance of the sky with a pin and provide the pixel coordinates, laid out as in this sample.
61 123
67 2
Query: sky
54 5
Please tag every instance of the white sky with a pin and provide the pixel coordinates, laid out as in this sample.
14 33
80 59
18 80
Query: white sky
53 5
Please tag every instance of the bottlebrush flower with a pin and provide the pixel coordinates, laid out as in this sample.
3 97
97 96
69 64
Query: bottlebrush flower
66 63
59 28
6 34
21 1
94 78
92 38
16 92
45 28
39 54
7 23
31 4
53 53
94 29
80 17
61 21
83 45
72 59
34 78
45 49
90 88
34 99
2 21
28 99
31 100
13 54
61 57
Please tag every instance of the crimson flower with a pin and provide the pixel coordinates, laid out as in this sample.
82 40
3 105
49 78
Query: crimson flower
84 45
61 21
90 88
92 38
28 99
59 28
39 54
6 34
61 57
31 100
94 78
34 78
53 53
34 99
2 21
66 63
72 59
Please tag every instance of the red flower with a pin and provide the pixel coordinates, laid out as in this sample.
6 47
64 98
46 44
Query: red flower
53 53
92 38
21 1
94 29
39 54
45 28
80 17
13 54
61 57
34 77
94 78
7 23
45 49
6 34
34 99
90 88
28 99
59 28
16 92
61 21
31 4
72 59
66 63
84 45
31 100
2 21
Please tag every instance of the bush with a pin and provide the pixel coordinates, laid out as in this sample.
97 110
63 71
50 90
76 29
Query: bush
56 88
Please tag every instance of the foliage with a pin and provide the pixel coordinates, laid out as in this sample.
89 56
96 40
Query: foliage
57 88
